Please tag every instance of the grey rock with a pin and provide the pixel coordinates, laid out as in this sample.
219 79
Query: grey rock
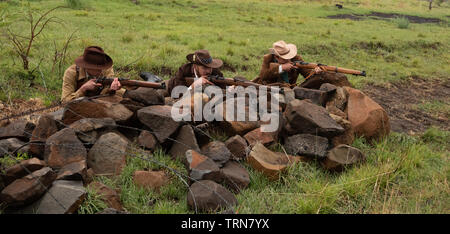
306 117
318 97
63 148
159 120
19 129
306 145
185 141
207 195
235 176
8 146
107 156
45 127
146 96
217 151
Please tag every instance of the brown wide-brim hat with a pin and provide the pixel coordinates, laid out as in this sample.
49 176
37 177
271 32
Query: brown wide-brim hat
283 50
94 58
202 57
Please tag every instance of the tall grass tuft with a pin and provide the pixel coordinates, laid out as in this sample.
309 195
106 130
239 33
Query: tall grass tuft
75 4
402 22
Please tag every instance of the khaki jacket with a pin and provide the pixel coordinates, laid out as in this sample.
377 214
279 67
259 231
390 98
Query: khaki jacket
73 80
270 74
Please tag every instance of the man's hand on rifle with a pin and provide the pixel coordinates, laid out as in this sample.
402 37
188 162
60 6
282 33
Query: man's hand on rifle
287 66
90 85
200 82
318 70
115 85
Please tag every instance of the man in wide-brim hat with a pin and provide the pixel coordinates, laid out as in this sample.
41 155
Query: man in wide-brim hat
200 65
79 78
277 66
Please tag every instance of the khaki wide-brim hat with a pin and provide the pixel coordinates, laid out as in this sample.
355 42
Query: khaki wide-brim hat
285 51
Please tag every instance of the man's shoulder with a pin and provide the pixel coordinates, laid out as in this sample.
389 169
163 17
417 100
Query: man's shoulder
71 71
72 67
186 69
268 57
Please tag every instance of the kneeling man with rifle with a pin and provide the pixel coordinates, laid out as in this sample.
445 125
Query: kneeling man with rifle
200 66
283 66
79 79
92 75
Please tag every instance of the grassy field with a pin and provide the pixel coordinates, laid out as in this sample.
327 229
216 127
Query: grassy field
403 174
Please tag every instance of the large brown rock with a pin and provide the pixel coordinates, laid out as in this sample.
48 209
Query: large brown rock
29 188
159 120
368 119
22 169
93 108
217 151
18 129
266 161
235 176
185 140
64 197
45 127
315 81
207 195
342 156
201 167
107 156
107 195
146 96
8 146
305 117
238 147
63 148
306 145
150 179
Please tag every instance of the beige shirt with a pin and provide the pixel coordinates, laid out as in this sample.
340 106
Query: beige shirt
72 83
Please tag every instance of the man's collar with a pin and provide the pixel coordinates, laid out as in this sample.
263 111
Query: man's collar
82 74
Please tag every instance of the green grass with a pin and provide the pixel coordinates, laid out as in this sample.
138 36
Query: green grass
163 32
403 174
401 22
435 108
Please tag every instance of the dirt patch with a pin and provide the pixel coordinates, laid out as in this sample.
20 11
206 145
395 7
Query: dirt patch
383 16
401 101
19 106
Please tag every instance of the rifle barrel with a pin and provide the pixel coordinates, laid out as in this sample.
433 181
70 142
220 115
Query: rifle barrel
128 82
230 82
301 64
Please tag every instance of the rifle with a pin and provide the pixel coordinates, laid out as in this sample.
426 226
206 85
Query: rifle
218 80
127 82
302 64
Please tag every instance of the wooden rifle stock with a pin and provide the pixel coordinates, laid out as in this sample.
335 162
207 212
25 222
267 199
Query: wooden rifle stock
128 82
301 64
